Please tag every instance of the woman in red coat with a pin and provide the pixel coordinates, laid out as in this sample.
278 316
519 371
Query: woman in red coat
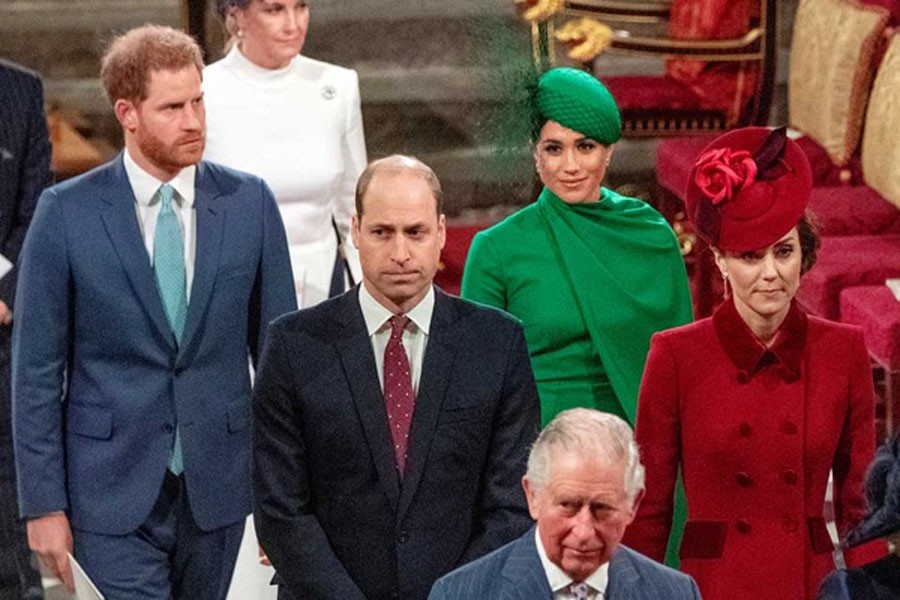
757 403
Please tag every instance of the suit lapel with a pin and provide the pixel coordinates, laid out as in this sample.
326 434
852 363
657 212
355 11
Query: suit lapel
443 344
623 576
210 220
523 572
121 222
355 351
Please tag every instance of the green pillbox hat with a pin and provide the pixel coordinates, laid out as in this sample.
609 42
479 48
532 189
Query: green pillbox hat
577 100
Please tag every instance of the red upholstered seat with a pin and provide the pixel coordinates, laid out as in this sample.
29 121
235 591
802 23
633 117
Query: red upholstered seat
675 157
453 256
824 171
642 91
875 309
856 210
846 262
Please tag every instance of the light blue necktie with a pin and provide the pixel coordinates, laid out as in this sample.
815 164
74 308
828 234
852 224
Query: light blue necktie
168 264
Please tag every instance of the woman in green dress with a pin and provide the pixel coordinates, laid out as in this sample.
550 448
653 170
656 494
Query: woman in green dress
592 274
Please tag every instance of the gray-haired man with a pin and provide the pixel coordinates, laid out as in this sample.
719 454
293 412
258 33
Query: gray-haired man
584 483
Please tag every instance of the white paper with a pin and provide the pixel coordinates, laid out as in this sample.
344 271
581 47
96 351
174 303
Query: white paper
894 286
84 587
5 266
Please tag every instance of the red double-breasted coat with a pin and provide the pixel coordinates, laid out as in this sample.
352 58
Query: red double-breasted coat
755 432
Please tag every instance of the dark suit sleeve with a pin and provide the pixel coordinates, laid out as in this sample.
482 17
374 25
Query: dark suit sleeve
34 177
286 525
273 293
40 346
502 514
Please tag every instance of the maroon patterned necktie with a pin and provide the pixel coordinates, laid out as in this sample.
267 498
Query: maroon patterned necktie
399 397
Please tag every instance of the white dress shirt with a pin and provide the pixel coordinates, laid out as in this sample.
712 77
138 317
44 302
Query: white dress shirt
415 337
144 185
560 582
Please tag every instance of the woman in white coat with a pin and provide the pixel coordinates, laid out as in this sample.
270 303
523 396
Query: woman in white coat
296 123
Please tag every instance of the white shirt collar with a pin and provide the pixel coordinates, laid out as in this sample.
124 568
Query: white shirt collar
376 315
144 185
558 578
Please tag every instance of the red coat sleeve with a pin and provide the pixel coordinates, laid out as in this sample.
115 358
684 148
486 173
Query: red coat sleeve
658 435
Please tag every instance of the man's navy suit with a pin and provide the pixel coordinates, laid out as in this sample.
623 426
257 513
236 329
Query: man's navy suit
331 511
99 381
24 172
515 572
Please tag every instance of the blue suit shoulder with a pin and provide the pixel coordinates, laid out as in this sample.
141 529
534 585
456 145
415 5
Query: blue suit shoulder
674 579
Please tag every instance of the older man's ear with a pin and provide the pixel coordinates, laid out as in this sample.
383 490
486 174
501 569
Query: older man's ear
530 496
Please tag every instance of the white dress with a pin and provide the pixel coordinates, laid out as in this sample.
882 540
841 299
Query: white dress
300 129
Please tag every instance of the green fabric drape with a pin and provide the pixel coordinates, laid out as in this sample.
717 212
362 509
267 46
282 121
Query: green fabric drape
591 283
627 276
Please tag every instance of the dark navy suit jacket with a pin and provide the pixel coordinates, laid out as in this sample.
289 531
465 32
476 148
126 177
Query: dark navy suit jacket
515 572
98 379
330 509
24 162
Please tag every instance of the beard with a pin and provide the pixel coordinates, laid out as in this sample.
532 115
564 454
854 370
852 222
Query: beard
184 152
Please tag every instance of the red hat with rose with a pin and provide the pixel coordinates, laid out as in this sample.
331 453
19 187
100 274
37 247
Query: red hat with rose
749 187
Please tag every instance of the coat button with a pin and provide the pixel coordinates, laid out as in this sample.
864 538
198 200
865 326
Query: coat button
789 428
168 428
403 537
743 479
790 374
743 376
790 477
742 526
745 430
789 524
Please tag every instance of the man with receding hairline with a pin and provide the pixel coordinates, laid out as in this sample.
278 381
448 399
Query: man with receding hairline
145 284
391 424
584 483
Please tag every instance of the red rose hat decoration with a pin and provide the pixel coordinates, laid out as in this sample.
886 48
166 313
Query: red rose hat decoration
749 187
721 172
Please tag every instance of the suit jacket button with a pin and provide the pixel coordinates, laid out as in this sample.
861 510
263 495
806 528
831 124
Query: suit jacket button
395 594
743 479
168 428
742 526
743 377
745 430
790 477
403 537
789 428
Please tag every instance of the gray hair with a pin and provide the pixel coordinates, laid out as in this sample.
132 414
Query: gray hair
589 434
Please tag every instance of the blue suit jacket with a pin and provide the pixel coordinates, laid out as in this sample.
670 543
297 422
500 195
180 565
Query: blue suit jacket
515 572
98 378
330 509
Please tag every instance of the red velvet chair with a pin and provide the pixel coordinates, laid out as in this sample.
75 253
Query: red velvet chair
719 62
877 311
837 46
